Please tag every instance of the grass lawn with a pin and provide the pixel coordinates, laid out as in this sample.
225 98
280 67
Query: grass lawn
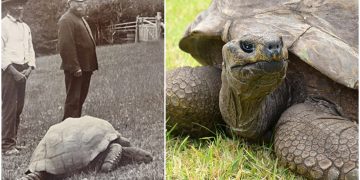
127 90
218 157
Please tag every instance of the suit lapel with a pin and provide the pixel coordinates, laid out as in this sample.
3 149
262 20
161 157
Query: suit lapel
88 29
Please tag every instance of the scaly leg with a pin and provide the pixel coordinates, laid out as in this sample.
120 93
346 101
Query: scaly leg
314 140
34 176
112 158
118 155
192 100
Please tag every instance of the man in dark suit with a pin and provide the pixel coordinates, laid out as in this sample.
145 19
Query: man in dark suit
77 51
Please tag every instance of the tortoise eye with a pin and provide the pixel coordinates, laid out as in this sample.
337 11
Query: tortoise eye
247 47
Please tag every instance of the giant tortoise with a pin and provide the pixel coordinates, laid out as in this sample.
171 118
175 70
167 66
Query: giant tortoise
286 69
76 143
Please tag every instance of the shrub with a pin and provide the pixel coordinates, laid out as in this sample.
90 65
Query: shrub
42 17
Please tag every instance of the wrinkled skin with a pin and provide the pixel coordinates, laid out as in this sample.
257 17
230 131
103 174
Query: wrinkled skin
248 76
310 110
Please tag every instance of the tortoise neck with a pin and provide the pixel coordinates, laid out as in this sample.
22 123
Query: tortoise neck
250 114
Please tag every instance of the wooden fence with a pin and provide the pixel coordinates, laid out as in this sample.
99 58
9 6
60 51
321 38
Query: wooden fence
142 29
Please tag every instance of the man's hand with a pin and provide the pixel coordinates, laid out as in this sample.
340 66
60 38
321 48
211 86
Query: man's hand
18 76
78 73
27 72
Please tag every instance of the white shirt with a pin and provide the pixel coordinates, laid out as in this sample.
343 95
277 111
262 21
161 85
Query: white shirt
16 44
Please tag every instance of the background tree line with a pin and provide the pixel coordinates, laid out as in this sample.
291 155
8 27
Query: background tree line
42 17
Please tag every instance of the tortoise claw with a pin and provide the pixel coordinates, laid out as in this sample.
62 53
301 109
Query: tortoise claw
112 158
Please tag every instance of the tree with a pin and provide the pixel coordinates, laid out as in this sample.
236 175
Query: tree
42 17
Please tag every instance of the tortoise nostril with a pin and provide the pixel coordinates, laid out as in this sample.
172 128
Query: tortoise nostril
273 48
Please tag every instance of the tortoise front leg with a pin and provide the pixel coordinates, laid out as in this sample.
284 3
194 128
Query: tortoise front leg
314 140
118 155
112 158
192 100
35 176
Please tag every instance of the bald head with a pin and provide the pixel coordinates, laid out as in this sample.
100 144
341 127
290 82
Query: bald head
79 7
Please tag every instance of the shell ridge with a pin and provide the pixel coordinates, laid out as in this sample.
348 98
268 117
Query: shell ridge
45 149
226 36
297 39
298 35
342 56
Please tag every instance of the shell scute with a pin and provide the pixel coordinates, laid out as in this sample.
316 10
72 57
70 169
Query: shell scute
72 144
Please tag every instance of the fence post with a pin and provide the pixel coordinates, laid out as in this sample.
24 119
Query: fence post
137 29
158 28
112 32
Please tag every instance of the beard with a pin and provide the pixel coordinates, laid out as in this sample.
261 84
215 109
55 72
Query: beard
16 13
81 12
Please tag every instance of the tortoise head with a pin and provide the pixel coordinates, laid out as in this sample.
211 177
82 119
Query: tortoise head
253 67
136 155
255 62
255 48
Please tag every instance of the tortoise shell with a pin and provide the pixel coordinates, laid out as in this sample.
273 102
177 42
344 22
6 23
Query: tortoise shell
322 33
72 144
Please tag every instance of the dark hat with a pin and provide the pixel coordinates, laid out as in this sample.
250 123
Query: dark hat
4 2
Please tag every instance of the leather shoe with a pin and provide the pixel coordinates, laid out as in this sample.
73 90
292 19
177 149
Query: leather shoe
19 147
11 152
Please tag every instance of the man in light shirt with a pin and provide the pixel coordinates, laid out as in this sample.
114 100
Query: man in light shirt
18 60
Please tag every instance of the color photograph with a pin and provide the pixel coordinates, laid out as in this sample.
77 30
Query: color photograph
261 89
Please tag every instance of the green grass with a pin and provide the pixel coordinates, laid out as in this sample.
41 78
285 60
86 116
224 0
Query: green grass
179 14
221 157
218 157
127 90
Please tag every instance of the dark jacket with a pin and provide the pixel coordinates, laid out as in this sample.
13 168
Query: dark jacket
76 45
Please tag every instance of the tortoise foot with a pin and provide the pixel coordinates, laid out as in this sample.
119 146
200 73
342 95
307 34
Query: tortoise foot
352 175
112 158
192 100
317 143
34 176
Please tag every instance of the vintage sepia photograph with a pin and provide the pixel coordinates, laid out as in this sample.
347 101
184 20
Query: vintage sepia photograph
261 89
82 89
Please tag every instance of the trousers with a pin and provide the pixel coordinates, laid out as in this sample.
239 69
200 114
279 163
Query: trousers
13 97
76 91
